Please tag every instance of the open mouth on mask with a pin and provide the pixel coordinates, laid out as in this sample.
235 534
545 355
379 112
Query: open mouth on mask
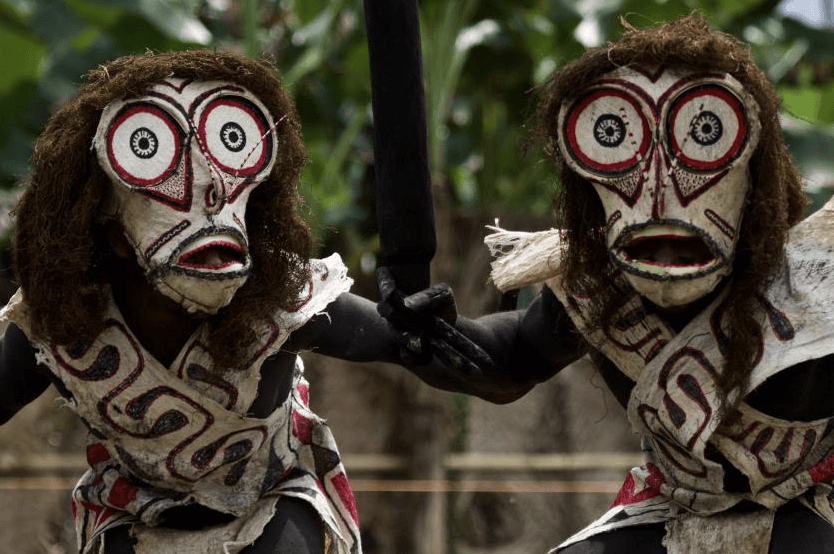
666 252
213 255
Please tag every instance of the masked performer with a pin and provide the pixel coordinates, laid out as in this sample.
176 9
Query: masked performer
683 271
166 288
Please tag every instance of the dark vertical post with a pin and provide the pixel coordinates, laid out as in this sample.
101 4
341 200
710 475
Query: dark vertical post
405 221
405 215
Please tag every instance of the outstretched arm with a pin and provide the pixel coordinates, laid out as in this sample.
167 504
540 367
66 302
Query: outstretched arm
21 381
530 345
350 329
526 346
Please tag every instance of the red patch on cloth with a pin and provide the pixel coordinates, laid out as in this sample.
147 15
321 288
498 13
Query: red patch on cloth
95 508
97 453
823 472
101 513
302 428
304 393
343 488
104 516
121 494
628 495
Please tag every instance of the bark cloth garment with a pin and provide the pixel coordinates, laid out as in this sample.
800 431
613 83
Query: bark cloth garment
674 408
170 437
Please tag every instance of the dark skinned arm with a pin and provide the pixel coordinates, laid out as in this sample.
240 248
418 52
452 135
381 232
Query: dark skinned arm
21 379
527 346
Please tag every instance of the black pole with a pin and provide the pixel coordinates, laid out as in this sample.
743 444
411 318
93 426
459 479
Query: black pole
405 215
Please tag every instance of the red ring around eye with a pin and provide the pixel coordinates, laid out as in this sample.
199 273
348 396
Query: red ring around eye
708 110
626 151
143 144
235 135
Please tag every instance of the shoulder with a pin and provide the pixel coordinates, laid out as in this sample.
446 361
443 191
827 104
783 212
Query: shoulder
328 280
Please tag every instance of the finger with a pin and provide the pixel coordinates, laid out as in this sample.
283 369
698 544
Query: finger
477 356
431 300
462 368
385 282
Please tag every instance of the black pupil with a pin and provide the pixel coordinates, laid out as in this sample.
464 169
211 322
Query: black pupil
609 130
706 128
143 142
233 136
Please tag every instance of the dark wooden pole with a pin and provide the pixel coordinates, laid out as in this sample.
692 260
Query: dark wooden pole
405 214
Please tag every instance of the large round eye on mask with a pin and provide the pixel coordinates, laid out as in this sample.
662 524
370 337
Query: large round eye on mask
144 145
706 128
183 160
607 133
235 135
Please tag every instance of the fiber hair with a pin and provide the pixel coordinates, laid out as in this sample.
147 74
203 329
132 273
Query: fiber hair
776 200
60 249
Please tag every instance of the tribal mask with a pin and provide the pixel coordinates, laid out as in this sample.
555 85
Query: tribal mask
182 161
667 153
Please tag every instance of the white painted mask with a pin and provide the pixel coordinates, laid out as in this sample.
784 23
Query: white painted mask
182 161
667 153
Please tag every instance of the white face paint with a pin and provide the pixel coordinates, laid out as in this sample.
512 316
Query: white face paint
182 161
667 153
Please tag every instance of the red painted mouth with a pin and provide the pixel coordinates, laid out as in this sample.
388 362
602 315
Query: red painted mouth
213 256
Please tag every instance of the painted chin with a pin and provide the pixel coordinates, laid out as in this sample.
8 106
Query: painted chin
198 294
204 274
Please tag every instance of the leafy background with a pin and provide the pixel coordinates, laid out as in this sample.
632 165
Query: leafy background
483 59
482 62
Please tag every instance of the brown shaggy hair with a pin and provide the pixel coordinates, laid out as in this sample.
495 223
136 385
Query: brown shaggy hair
60 250
776 200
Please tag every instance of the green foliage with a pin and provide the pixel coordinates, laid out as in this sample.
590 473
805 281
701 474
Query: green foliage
483 60
53 42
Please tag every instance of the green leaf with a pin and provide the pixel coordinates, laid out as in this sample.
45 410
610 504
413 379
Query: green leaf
22 67
820 41
810 144
249 15
64 69
723 12
53 21
812 103
15 14
336 159
319 39
15 150
97 15
170 19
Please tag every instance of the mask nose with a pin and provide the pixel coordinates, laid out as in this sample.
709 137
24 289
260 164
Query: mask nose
658 176
208 182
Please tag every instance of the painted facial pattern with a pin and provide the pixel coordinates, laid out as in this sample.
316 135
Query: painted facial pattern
667 153
183 160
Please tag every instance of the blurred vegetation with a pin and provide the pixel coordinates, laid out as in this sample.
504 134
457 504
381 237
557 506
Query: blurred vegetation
483 60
